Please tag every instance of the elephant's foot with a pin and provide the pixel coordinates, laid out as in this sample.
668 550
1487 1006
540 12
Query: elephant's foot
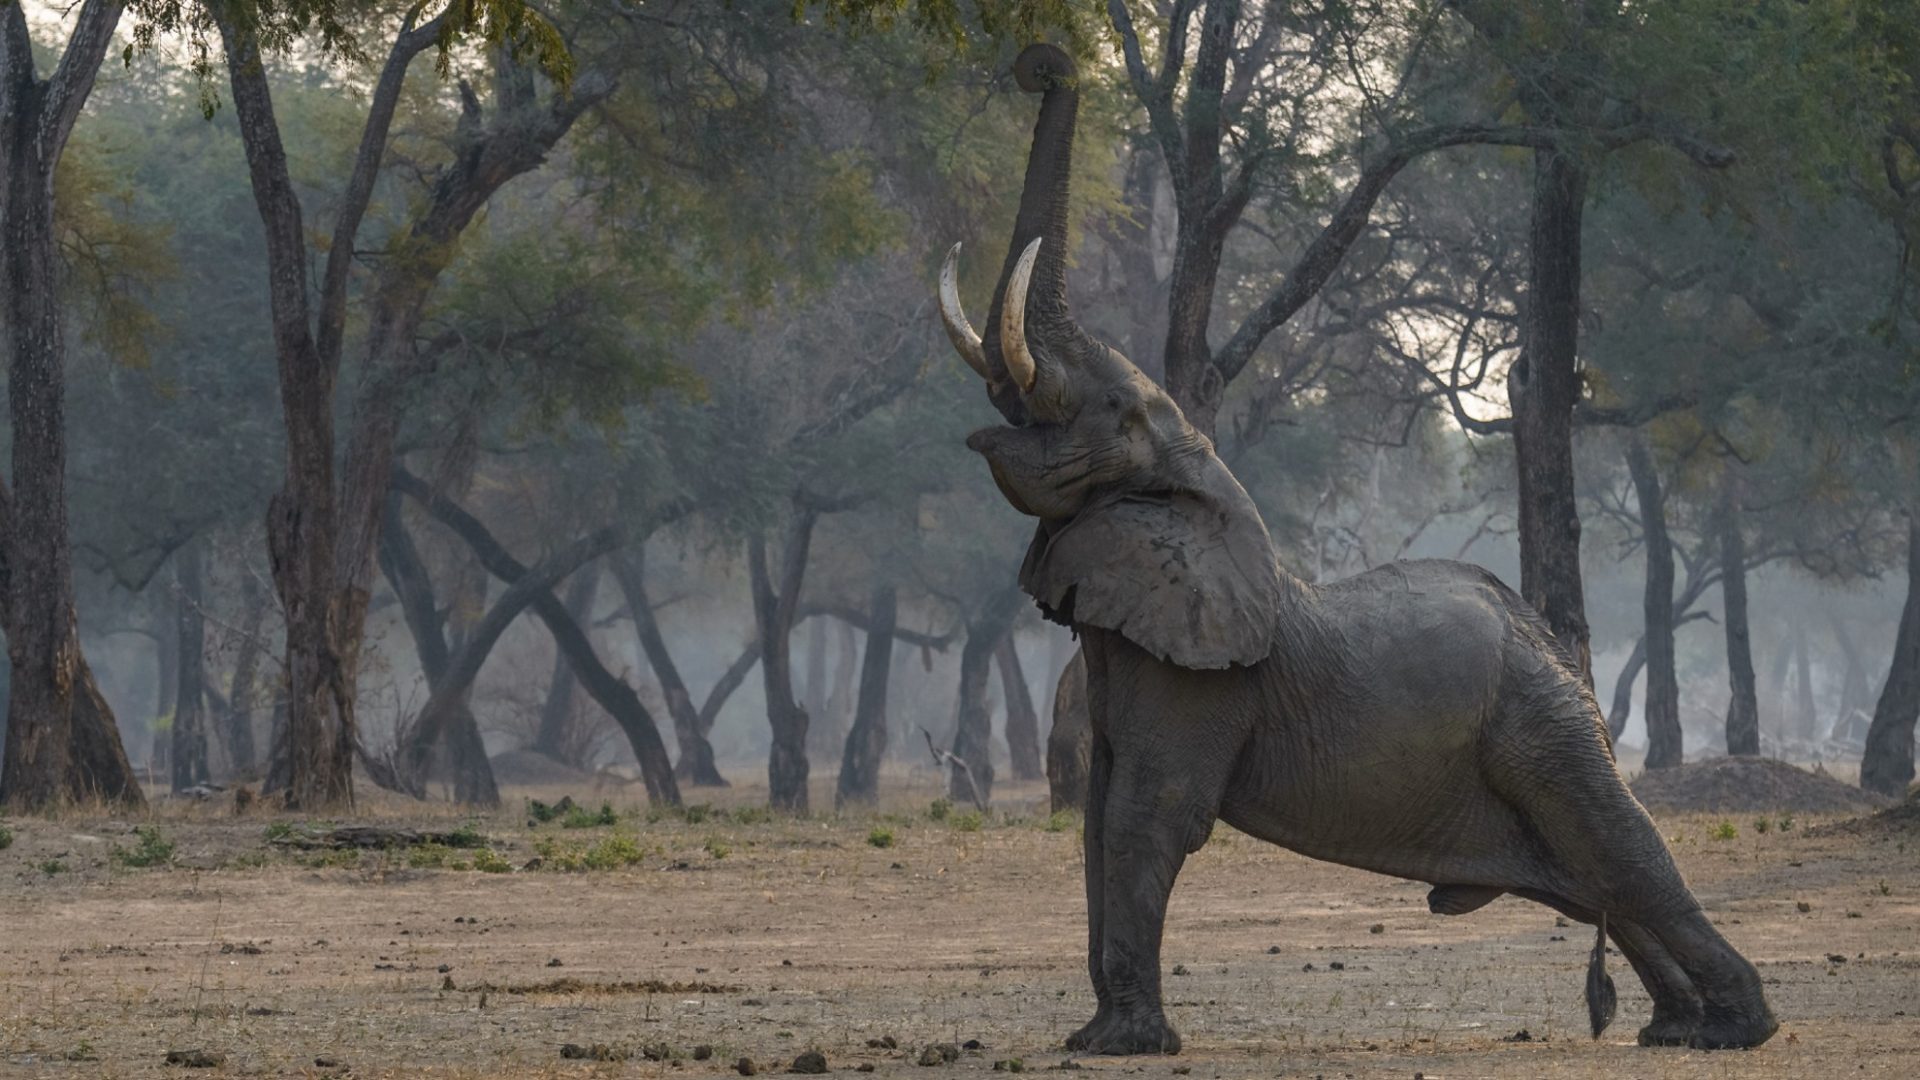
1726 1030
1112 1031
1669 1031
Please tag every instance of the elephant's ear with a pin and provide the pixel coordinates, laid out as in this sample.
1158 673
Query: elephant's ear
1190 578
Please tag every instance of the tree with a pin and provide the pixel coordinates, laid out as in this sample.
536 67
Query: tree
1663 687
61 741
322 533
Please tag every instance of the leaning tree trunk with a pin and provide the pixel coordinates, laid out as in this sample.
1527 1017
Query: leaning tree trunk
973 732
1070 743
190 685
1544 388
859 781
1743 708
774 613
1887 764
61 740
1023 721
1622 710
1663 688
556 738
695 765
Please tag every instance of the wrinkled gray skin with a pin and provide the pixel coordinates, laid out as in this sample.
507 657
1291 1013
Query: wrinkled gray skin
1417 720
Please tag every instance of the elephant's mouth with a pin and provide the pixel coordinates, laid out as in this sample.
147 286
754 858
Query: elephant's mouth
1025 469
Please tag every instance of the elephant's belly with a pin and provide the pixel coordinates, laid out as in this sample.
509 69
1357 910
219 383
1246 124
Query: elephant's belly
1425 814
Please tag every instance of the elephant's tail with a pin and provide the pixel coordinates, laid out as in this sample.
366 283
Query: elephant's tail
1601 1000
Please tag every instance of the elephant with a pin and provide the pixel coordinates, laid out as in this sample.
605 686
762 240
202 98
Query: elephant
1418 720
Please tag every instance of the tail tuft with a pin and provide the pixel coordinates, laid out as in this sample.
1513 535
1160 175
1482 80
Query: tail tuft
1601 999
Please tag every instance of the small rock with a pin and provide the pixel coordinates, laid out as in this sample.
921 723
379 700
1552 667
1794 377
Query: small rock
1802 906
1523 1035
534 863
813 1061
884 1042
1308 966
1273 950
1557 937
555 962
1181 969
1377 928
1560 920
1836 958
1336 966
973 1044
446 983
865 1066
703 1052
939 1054
196 1059
328 1063
786 963
745 1067
444 968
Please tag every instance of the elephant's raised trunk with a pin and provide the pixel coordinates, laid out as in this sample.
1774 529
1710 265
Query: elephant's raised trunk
1049 71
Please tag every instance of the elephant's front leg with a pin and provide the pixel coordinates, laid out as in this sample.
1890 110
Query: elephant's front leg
1099 771
1155 812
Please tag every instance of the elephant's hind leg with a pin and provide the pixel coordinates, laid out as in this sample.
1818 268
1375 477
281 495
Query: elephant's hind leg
1604 854
1677 1008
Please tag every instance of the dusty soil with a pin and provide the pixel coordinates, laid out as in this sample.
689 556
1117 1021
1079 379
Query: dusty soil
767 939
1747 784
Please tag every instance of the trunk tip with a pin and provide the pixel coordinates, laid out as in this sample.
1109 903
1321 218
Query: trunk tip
1042 67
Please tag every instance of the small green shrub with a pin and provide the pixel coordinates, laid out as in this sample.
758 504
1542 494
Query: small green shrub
716 848
1786 822
880 837
940 810
1062 820
581 818
1724 831
968 822
489 861
1762 826
52 867
466 836
279 830
153 849
429 857
613 852
752 815
6 838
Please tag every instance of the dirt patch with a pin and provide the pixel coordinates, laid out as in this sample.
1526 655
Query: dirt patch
1743 784
1899 820
582 987
528 769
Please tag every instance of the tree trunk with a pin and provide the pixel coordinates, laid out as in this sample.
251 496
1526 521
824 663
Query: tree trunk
236 723
61 741
859 782
973 732
1854 692
1023 721
1664 736
557 737
189 712
774 612
840 695
1622 710
1887 764
1743 708
696 765
166 696
1070 743
1806 713
813 694
1544 387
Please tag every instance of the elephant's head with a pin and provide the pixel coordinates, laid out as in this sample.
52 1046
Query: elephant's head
1142 528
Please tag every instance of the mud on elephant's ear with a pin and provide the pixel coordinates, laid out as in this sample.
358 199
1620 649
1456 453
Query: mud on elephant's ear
1188 576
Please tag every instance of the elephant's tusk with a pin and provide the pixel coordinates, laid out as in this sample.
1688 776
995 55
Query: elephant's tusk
1013 322
959 330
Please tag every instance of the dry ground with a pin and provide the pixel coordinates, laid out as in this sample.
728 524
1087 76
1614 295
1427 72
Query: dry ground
767 938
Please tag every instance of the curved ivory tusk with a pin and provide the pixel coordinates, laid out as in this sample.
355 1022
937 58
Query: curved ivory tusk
959 330
1013 321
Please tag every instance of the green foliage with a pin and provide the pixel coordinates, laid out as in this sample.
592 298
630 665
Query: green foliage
939 809
152 848
878 836
580 817
52 866
607 853
970 821
489 861
716 847
1062 820
6 838
1725 830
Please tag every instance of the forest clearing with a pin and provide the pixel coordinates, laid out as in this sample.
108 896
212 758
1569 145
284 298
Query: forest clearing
765 939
